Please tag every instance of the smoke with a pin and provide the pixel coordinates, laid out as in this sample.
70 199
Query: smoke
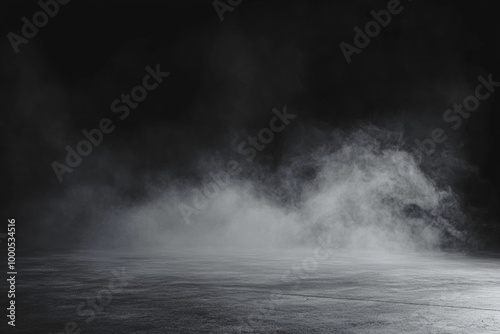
361 190
362 186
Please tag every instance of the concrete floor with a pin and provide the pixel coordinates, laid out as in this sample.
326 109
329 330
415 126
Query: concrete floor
262 292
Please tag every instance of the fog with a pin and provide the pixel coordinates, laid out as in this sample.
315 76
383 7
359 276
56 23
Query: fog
360 191
346 170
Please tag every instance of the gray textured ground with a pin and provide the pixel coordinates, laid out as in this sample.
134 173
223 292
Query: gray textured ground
227 292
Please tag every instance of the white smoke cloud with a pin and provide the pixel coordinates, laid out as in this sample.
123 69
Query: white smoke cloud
363 191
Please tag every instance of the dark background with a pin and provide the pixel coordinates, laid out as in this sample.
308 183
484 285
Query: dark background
227 76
